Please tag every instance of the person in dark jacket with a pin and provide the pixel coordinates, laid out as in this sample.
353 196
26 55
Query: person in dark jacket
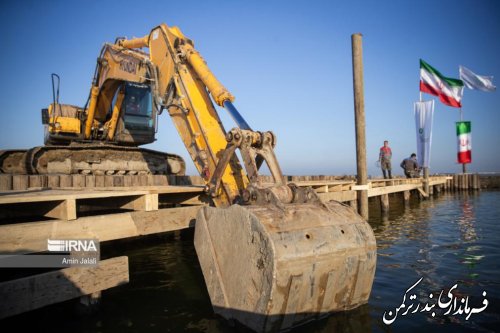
410 166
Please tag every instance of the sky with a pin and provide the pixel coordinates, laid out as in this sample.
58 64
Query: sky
288 63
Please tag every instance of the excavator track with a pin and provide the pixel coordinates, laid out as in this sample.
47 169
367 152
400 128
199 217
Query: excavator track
13 161
95 159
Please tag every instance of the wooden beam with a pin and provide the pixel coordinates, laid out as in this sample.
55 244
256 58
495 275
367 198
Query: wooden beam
32 237
338 196
373 192
59 209
40 290
422 192
146 202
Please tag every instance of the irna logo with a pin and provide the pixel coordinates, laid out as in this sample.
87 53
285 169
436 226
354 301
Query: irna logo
71 245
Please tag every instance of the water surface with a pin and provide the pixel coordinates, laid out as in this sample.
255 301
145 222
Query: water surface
450 239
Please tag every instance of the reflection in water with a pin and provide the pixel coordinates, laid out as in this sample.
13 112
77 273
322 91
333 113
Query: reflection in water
446 240
450 239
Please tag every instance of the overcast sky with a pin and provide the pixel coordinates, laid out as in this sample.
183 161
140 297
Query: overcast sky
287 62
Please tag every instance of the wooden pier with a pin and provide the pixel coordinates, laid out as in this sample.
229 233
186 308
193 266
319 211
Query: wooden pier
109 208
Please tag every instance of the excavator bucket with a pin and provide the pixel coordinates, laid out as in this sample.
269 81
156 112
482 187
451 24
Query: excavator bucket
273 268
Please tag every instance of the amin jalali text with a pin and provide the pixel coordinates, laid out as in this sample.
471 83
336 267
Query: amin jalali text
449 303
79 261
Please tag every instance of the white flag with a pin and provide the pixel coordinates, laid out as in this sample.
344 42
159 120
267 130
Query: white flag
424 112
474 81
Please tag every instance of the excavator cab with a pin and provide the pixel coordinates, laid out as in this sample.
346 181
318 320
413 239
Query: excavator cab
137 123
138 114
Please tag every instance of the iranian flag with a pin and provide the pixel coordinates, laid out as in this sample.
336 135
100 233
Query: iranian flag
464 142
448 90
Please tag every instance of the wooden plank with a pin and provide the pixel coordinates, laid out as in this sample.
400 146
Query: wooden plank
89 181
160 180
425 195
65 181
373 192
78 181
321 189
338 196
135 180
99 180
118 181
63 194
127 180
320 183
35 181
143 180
5 182
19 182
109 181
32 237
146 202
64 210
40 290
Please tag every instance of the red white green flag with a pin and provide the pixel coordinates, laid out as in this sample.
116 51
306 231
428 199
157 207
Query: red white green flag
464 142
433 82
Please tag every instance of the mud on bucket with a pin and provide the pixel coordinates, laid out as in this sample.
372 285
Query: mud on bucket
272 269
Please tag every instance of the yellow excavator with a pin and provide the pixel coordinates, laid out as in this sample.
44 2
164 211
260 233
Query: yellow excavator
273 255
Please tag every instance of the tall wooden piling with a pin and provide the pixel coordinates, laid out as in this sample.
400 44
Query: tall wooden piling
406 197
384 203
359 119
426 180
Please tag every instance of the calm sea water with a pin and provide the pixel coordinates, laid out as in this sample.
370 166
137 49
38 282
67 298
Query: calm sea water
451 239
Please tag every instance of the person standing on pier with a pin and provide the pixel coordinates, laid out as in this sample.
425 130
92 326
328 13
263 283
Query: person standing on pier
410 166
384 159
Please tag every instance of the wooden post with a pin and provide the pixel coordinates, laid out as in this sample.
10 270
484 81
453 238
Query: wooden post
426 180
475 183
353 204
384 203
359 118
406 197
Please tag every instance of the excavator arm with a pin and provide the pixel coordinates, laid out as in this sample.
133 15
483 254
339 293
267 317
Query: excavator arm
184 83
273 255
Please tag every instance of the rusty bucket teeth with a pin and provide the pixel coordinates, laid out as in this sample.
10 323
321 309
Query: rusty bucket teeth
274 268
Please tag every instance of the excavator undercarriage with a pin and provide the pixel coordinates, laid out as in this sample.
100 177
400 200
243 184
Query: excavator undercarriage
95 159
